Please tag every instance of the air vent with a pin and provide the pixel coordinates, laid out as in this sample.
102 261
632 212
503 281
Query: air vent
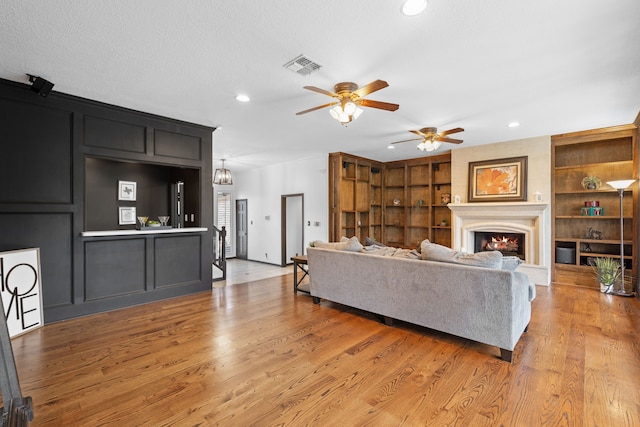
302 65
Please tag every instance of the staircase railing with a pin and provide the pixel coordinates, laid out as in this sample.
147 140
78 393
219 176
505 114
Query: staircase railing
219 251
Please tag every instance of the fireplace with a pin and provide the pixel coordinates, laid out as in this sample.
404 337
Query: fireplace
509 244
530 219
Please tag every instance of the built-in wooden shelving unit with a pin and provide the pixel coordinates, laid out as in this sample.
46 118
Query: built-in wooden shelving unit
398 203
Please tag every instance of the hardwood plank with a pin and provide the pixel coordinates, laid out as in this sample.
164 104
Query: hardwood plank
256 354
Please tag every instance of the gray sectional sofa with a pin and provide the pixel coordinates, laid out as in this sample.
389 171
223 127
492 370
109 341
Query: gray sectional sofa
489 305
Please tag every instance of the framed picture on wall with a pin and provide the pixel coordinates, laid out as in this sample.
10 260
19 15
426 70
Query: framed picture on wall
499 180
126 215
127 191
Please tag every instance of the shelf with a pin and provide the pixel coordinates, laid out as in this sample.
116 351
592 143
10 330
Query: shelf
617 217
604 255
106 233
599 191
586 240
594 165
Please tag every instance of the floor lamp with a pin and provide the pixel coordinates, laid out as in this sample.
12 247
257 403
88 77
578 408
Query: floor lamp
621 186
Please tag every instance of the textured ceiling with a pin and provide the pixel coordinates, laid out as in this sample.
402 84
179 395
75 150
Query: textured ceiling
554 66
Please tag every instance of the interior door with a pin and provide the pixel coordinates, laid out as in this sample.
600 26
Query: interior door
241 229
292 227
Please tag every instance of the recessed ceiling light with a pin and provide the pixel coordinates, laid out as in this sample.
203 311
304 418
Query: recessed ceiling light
390 147
243 98
413 7
513 125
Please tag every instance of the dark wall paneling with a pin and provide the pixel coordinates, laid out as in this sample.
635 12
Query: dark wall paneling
61 161
153 185
171 144
51 232
114 267
112 134
36 145
177 260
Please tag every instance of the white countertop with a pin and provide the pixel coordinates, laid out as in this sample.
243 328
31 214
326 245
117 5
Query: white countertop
148 230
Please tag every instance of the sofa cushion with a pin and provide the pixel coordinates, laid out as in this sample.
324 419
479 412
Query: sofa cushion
345 244
488 259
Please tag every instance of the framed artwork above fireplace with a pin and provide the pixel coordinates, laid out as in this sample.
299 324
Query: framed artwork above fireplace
500 180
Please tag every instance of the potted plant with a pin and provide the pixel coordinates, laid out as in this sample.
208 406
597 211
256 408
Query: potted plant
591 182
607 272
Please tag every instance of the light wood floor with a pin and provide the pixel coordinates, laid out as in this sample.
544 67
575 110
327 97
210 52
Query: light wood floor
242 271
256 355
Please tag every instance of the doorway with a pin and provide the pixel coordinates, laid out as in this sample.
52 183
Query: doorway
241 229
292 214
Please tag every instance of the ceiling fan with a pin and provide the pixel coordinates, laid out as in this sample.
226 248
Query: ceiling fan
431 139
349 98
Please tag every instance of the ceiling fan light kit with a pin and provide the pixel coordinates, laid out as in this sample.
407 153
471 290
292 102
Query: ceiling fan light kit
429 145
431 139
349 99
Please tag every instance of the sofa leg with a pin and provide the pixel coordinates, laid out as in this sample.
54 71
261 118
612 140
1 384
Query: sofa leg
316 300
506 355
388 321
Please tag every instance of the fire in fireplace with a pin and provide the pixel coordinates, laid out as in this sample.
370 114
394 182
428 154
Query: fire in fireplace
510 244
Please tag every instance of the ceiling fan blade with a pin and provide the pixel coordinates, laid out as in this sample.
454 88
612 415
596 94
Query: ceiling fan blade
315 108
450 131
378 104
370 88
406 140
451 140
322 91
417 132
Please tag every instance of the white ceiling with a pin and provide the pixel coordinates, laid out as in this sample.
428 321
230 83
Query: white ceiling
554 66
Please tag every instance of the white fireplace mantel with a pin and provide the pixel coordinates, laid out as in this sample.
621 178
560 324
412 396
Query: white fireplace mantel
529 218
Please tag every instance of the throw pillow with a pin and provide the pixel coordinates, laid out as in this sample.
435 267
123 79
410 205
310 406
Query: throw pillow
511 262
370 241
345 244
488 259
434 252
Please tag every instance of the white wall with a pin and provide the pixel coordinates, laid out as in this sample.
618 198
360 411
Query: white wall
263 189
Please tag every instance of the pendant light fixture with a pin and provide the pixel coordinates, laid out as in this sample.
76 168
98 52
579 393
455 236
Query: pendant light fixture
222 176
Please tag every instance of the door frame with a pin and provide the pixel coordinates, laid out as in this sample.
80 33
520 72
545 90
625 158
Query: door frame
238 228
283 225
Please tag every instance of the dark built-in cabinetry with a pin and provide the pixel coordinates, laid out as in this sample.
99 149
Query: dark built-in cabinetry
398 203
62 159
